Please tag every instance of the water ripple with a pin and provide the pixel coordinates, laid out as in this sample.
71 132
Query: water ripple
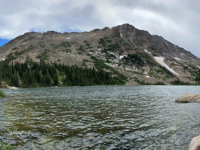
100 117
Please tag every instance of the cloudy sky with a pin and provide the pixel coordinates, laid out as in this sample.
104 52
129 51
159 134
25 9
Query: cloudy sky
178 21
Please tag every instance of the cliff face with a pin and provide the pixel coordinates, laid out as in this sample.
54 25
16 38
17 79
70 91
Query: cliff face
135 53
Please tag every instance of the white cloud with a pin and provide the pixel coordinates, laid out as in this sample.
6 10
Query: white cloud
177 21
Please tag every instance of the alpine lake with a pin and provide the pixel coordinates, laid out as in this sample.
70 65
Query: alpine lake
99 117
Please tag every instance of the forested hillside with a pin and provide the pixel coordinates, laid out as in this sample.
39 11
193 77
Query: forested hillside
32 74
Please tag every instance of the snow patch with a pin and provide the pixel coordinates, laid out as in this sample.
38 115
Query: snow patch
67 38
177 58
147 76
99 49
160 60
147 51
121 35
122 56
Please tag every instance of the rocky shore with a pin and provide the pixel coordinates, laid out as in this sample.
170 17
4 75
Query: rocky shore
188 98
195 143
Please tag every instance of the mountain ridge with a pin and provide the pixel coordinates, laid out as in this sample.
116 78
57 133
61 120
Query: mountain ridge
137 47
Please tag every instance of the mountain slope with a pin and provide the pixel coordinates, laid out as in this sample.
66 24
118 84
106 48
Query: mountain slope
123 48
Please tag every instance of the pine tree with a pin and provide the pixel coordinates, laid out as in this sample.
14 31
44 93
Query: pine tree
41 77
0 81
17 79
55 79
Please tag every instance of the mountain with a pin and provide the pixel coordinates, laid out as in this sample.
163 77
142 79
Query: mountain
142 57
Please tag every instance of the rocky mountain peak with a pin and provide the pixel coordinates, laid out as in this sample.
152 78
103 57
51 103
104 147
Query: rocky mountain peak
124 47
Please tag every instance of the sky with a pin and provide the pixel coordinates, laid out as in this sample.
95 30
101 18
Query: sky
178 21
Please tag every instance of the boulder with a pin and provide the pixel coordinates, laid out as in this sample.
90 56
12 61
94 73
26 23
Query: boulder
188 98
195 143
12 87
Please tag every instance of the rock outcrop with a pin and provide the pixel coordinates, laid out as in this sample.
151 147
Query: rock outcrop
195 143
12 87
188 98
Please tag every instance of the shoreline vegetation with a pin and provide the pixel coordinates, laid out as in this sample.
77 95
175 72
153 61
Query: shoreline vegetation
2 94
5 147
32 74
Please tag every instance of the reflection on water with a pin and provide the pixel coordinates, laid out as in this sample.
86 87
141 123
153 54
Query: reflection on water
100 117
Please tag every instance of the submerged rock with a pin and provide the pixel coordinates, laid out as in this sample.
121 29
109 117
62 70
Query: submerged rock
195 143
188 98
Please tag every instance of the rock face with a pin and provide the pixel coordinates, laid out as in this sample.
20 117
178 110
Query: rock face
195 143
188 98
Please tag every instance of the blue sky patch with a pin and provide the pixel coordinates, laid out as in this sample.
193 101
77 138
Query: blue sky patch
3 41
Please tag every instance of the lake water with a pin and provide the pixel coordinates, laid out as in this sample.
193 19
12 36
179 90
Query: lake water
99 117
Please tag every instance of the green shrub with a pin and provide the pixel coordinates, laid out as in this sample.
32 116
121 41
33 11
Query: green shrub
159 83
2 94
41 43
139 81
178 82
81 48
61 45
102 42
5 147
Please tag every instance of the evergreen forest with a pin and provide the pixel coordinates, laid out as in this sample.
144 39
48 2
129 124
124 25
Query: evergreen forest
32 74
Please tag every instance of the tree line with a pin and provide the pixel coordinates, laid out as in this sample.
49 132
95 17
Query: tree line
32 74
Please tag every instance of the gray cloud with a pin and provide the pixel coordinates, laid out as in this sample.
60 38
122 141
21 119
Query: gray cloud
177 21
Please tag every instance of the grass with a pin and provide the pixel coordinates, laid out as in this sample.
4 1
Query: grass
2 94
60 78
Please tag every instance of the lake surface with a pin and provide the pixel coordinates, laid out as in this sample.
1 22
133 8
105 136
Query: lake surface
99 117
